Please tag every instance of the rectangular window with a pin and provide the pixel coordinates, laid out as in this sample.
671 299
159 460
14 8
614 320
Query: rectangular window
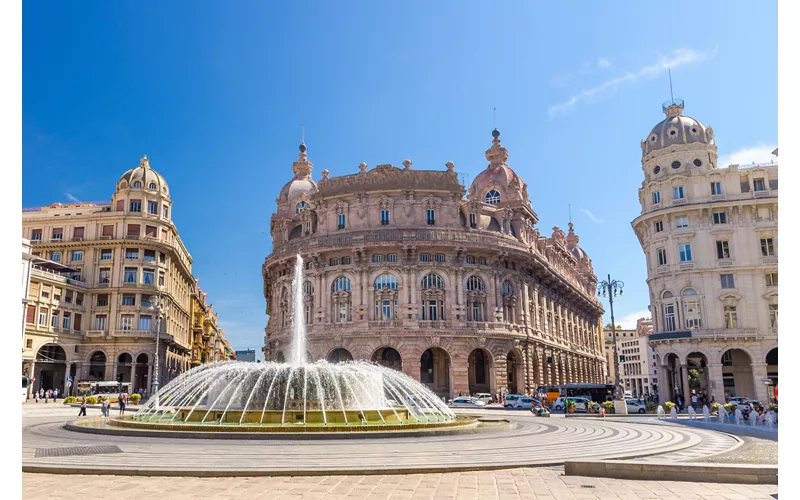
727 281
106 254
392 257
731 321
54 319
472 222
727 358
165 211
658 226
146 301
682 221
341 220
767 248
132 253
77 233
77 255
333 261
758 185
105 275
482 260
151 232
377 258
720 218
148 276
773 315
764 213
43 317
55 256
662 256
136 206
656 198
102 300
79 299
384 217
129 300
685 252
677 192
772 279
440 257
425 257
470 259
162 257
36 235
144 323
65 321
346 260
164 235
108 231
126 322
150 255
716 188
58 233
45 295
68 297
723 252
130 274
77 325
152 207
133 229
160 279
431 217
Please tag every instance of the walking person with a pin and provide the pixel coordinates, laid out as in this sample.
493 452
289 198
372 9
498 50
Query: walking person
694 401
106 407
35 396
122 401
83 408
46 395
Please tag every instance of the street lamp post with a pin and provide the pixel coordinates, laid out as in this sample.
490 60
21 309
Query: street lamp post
159 306
611 288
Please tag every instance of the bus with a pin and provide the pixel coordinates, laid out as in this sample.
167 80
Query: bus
24 388
107 389
551 392
595 392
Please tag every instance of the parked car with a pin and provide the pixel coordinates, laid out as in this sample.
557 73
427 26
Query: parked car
526 403
484 396
509 399
581 403
742 403
466 402
635 406
560 404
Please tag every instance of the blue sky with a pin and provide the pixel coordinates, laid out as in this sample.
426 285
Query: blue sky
215 94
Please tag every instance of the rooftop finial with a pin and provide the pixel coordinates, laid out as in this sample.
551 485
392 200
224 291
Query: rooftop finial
303 138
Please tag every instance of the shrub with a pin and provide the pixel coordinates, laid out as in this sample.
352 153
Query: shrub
650 406
668 406
730 407
608 405
773 407
136 396
92 400
715 406
570 403
70 400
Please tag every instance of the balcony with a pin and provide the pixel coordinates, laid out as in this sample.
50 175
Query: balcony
385 324
662 269
679 201
725 333
56 277
435 325
131 236
717 197
769 261
655 206
765 193
56 240
686 266
95 333
724 263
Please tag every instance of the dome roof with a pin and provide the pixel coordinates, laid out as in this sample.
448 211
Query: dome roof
572 245
676 129
302 182
498 175
149 178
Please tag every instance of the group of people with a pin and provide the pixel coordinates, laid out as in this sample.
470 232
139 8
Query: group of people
105 405
695 400
45 394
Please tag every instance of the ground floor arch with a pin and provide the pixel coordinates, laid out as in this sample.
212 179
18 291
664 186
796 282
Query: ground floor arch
480 366
772 372
125 368
97 366
51 368
737 374
339 355
698 377
143 372
515 372
388 357
434 371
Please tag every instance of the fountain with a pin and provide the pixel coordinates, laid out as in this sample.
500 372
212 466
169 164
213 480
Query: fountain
722 414
770 420
739 418
673 413
660 411
692 413
753 417
298 394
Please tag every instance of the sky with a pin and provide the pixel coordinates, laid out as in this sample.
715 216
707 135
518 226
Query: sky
216 95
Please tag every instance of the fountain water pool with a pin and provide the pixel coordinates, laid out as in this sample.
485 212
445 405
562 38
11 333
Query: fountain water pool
660 411
235 393
706 414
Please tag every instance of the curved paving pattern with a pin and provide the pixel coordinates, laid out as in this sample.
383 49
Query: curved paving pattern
535 441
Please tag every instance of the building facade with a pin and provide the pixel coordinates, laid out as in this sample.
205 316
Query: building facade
710 237
637 366
208 339
460 292
89 314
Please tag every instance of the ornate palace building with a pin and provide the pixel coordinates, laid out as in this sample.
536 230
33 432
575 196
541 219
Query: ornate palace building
96 268
461 293
710 237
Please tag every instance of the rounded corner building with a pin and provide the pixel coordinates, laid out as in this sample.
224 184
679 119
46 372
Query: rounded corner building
459 292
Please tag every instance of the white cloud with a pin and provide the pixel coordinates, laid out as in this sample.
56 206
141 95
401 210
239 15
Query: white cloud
72 198
745 156
603 63
595 219
628 322
679 58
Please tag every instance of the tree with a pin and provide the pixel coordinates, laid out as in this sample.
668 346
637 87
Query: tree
608 327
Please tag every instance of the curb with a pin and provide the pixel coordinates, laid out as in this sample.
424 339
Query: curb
670 471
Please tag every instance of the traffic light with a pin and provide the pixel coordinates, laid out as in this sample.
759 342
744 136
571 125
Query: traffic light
622 359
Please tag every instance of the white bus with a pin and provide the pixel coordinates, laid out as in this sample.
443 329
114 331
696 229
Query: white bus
24 388
107 389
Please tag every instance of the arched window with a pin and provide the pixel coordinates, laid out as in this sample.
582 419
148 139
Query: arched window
666 295
153 186
689 292
507 289
475 284
492 197
308 288
432 297
341 284
432 280
386 280
301 206
692 310
509 302
137 184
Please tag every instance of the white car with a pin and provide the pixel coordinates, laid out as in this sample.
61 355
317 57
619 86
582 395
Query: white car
742 403
510 399
581 404
526 403
484 396
466 402
635 406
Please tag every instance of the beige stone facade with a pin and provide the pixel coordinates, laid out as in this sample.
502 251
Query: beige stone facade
88 313
710 237
208 338
459 292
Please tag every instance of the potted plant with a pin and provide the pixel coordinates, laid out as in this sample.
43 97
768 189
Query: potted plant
135 397
651 406
570 406
609 406
715 408
668 406
70 400
592 404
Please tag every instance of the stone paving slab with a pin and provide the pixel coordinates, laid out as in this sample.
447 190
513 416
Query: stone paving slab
516 484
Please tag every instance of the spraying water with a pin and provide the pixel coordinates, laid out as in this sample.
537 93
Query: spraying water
298 352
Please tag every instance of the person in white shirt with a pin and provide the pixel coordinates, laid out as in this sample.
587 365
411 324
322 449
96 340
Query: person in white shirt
694 401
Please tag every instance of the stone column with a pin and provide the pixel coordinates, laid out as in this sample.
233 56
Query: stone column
761 389
133 376
663 383
718 387
540 368
685 383
501 373
411 367
150 377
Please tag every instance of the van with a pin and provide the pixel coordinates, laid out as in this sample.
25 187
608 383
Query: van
628 395
510 400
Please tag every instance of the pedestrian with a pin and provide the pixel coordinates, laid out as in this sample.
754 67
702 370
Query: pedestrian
46 395
41 393
106 406
122 401
694 401
83 408
680 404
35 396
55 395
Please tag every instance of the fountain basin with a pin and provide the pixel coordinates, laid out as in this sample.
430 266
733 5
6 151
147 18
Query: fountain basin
272 417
